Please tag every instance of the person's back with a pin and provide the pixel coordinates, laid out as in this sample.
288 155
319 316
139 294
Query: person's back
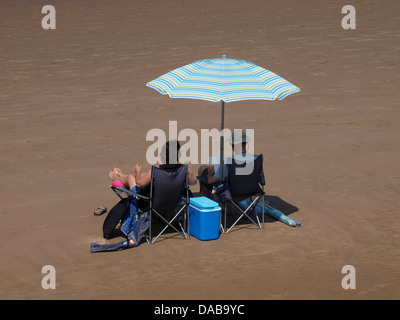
170 167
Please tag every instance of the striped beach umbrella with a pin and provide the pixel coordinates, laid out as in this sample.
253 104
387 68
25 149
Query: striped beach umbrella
224 80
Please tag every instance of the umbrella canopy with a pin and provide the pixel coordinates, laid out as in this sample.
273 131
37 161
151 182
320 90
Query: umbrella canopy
223 80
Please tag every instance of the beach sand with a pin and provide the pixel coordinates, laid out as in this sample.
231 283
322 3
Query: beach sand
74 103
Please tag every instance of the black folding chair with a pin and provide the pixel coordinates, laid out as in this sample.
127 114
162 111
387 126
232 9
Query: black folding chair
243 186
169 190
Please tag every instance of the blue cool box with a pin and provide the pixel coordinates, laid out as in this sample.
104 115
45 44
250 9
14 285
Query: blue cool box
204 218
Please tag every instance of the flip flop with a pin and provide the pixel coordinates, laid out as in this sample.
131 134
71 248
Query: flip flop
99 211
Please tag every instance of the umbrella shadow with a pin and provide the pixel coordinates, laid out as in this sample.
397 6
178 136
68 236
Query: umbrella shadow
278 203
272 200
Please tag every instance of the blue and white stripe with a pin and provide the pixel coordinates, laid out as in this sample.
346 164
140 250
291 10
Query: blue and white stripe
223 80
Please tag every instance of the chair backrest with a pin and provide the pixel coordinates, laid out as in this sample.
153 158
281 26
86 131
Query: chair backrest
168 186
245 185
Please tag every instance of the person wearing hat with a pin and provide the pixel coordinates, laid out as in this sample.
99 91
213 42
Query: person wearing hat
209 175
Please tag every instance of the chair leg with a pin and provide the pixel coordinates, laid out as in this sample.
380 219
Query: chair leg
151 220
169 224
187 221
225 213
223 216
263 211
244 213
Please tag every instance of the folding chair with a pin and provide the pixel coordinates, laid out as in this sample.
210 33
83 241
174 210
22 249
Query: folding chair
168 190
242 187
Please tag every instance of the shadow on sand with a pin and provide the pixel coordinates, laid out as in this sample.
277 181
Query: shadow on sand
274 201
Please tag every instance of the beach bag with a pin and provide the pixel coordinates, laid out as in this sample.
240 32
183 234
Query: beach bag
114 216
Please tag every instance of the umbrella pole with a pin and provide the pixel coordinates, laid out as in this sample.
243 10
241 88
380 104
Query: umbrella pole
222 140
221 162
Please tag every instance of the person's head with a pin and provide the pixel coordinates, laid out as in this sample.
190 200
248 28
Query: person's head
170 152
239 140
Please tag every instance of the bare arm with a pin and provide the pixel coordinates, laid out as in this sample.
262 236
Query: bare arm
192 178
143 179
211 178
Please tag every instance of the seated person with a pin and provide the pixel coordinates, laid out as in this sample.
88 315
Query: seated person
141 180
210 176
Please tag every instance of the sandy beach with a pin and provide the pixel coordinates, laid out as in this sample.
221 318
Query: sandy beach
74 103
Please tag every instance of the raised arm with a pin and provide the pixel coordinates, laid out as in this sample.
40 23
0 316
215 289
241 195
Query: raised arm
211 178
143 179
192 178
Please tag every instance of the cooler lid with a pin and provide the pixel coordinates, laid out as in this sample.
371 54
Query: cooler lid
203 203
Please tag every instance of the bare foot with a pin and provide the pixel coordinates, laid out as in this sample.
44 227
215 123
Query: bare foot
113 174
117 174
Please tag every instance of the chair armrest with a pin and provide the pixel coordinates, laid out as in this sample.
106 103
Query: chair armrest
129 192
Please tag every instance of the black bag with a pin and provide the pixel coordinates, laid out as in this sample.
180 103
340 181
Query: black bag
114 216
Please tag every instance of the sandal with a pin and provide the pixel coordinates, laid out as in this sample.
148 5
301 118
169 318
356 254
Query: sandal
99 211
